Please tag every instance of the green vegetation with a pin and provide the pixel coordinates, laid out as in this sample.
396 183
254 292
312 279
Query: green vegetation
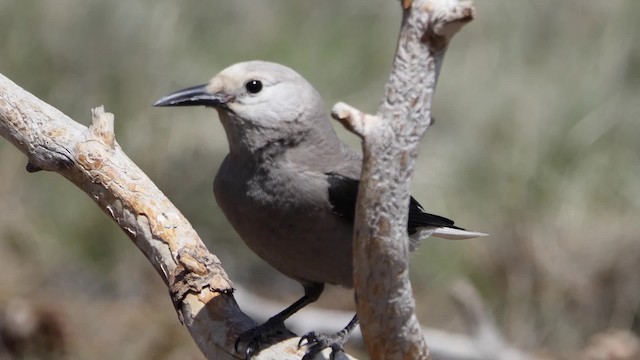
536 142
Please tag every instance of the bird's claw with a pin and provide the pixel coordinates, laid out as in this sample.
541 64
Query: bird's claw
259 335
253 345
319 342
308 337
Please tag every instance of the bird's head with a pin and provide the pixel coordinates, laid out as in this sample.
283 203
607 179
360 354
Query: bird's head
258 102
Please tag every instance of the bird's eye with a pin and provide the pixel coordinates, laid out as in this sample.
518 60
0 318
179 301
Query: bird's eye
253 86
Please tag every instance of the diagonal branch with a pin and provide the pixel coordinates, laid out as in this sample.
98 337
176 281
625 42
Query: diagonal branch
391 138
92 160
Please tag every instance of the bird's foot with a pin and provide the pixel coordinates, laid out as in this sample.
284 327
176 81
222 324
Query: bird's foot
319 342
271 331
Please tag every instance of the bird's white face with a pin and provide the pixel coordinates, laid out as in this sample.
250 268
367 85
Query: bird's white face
263 103
262 95
259 103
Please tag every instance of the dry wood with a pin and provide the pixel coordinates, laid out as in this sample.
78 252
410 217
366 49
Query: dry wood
92 160
391 138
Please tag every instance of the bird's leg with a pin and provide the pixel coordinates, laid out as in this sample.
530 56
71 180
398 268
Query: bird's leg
319 342
274 327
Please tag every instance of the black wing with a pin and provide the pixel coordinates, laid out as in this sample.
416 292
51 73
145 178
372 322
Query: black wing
343 193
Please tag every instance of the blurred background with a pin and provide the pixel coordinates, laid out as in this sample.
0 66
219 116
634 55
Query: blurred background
536 142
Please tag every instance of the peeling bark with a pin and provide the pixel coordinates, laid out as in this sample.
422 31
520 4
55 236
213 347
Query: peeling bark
93 161
201 291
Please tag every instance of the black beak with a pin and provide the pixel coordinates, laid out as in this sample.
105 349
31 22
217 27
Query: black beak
192 96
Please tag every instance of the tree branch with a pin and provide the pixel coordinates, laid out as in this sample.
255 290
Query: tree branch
199 287
488 344
92 160
391 138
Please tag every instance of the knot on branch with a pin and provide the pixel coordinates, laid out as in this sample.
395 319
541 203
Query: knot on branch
44 158
446 18
31 167
197 269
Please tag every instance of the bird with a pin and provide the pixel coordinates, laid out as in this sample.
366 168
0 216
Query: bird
289 185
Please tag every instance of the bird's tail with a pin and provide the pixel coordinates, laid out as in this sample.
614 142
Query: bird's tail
444 232
456 234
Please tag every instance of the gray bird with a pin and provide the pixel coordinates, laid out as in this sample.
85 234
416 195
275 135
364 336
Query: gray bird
289 185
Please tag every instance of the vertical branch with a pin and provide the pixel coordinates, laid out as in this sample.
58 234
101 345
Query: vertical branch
390 145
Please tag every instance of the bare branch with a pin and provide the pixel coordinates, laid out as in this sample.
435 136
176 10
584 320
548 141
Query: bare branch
200 289
385 303
353 119
92 160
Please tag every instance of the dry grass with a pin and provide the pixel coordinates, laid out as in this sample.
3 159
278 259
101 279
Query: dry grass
536 142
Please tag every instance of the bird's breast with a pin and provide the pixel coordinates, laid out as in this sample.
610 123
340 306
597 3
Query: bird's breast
284 216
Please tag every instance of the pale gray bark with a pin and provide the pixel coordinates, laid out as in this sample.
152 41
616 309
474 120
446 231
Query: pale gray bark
391 138
92 160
